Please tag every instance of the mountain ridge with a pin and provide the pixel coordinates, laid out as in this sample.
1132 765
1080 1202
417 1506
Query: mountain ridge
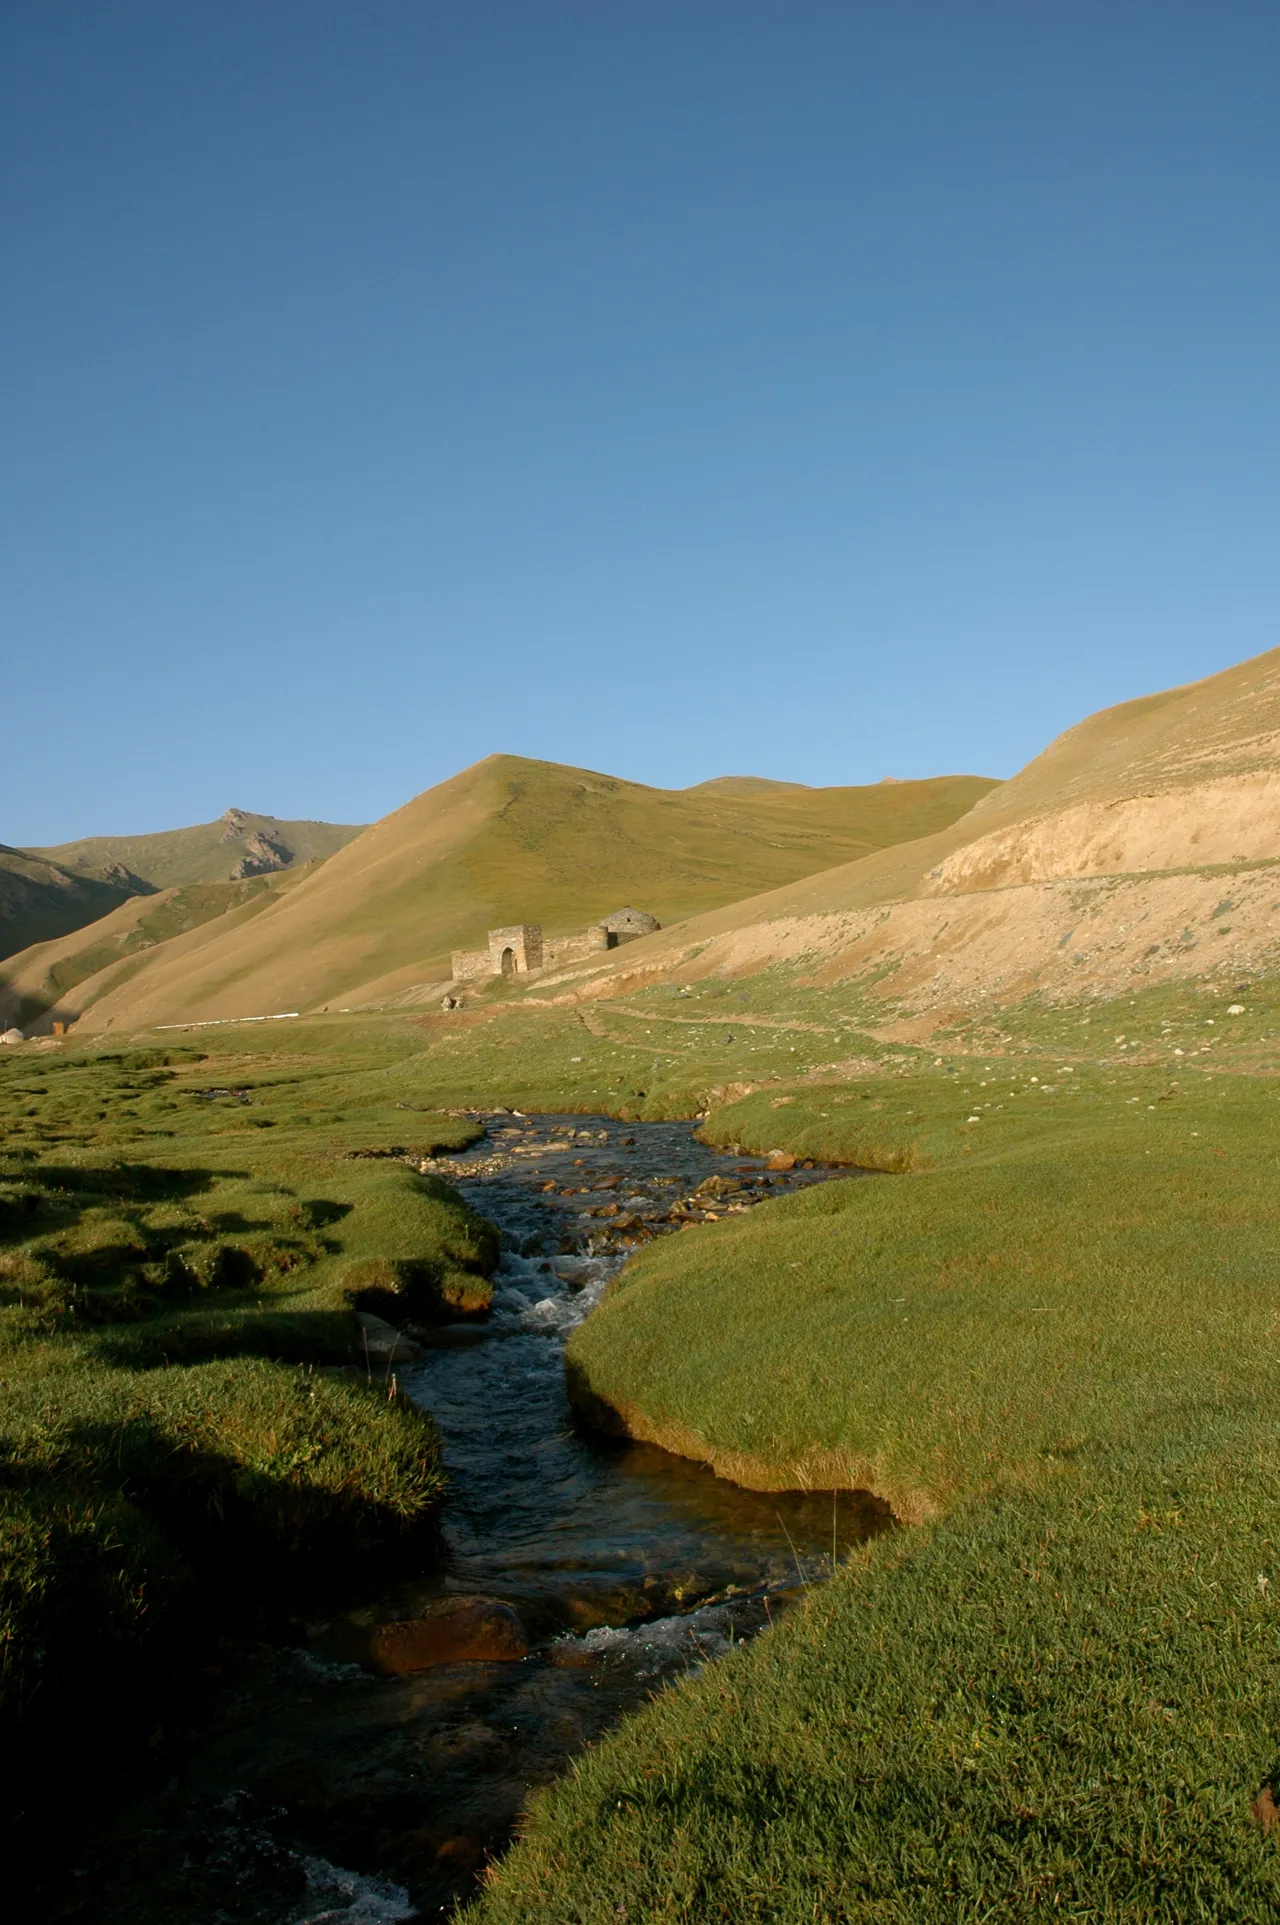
508 839
40 900
203 851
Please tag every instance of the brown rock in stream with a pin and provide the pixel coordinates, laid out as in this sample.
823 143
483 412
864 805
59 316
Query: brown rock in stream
454 1630
719 1186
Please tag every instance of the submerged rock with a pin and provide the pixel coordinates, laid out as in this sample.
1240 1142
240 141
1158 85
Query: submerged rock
383 1344
453 1630
453 1336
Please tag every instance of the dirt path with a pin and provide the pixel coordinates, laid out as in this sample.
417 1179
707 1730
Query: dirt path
733 1021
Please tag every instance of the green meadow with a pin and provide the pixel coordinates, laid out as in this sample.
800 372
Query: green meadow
1046 1327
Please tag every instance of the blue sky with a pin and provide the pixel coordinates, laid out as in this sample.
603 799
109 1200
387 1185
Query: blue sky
672 387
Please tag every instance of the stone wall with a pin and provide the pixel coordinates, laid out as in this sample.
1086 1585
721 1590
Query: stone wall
626 925
471 965
567 949
515 950
519 950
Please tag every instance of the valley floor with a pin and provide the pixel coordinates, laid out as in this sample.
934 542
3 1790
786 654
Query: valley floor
1047 1335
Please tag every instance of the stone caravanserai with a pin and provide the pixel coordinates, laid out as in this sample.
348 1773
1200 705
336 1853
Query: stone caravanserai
520 950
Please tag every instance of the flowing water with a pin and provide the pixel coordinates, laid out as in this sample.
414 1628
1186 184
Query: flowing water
323 1794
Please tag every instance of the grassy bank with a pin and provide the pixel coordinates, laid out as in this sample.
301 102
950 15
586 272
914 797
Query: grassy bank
1046 1330
185 1431
1051 1340
1060 1267
1058 1704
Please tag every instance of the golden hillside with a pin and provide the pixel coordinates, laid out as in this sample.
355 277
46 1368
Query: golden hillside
506 840
115 948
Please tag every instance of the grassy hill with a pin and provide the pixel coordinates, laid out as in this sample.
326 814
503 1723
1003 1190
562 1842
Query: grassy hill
238 844
507 840
52 892
40 900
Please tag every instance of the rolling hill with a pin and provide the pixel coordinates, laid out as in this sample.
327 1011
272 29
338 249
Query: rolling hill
506 840
40 900
51 892
118 946
238 845
1141 844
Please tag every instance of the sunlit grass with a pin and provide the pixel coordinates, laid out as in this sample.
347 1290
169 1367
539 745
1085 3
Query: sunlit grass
1053 1341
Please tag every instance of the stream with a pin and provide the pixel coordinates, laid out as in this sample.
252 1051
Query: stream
322 1793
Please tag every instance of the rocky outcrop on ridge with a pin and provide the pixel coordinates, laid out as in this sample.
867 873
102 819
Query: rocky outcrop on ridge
264 854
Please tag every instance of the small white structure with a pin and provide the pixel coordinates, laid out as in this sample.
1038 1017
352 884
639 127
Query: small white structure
12 1036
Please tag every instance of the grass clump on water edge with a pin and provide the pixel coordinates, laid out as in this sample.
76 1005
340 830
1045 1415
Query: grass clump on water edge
137 1508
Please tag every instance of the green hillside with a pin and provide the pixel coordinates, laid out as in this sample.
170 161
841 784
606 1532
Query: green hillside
563 845
237 845
48 893
40 900
507 840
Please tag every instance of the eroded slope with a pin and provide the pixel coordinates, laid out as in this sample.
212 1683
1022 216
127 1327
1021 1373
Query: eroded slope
1143 843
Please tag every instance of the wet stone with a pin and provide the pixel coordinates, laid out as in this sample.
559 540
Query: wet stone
466 1630
382 1345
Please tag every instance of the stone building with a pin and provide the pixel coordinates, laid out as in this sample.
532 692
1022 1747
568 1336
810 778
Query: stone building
625 925
519 949
516 951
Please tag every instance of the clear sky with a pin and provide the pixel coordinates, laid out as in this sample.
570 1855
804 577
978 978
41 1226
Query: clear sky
821 389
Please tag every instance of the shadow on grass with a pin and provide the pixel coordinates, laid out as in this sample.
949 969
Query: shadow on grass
88 1252
199 1336
32 1194
127 1562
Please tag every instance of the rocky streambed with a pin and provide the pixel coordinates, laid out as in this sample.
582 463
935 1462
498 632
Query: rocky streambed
367 1774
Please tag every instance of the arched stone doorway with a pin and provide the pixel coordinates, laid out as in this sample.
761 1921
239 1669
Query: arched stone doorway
508 962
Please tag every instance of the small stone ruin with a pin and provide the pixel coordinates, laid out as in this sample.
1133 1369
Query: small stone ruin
521 950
